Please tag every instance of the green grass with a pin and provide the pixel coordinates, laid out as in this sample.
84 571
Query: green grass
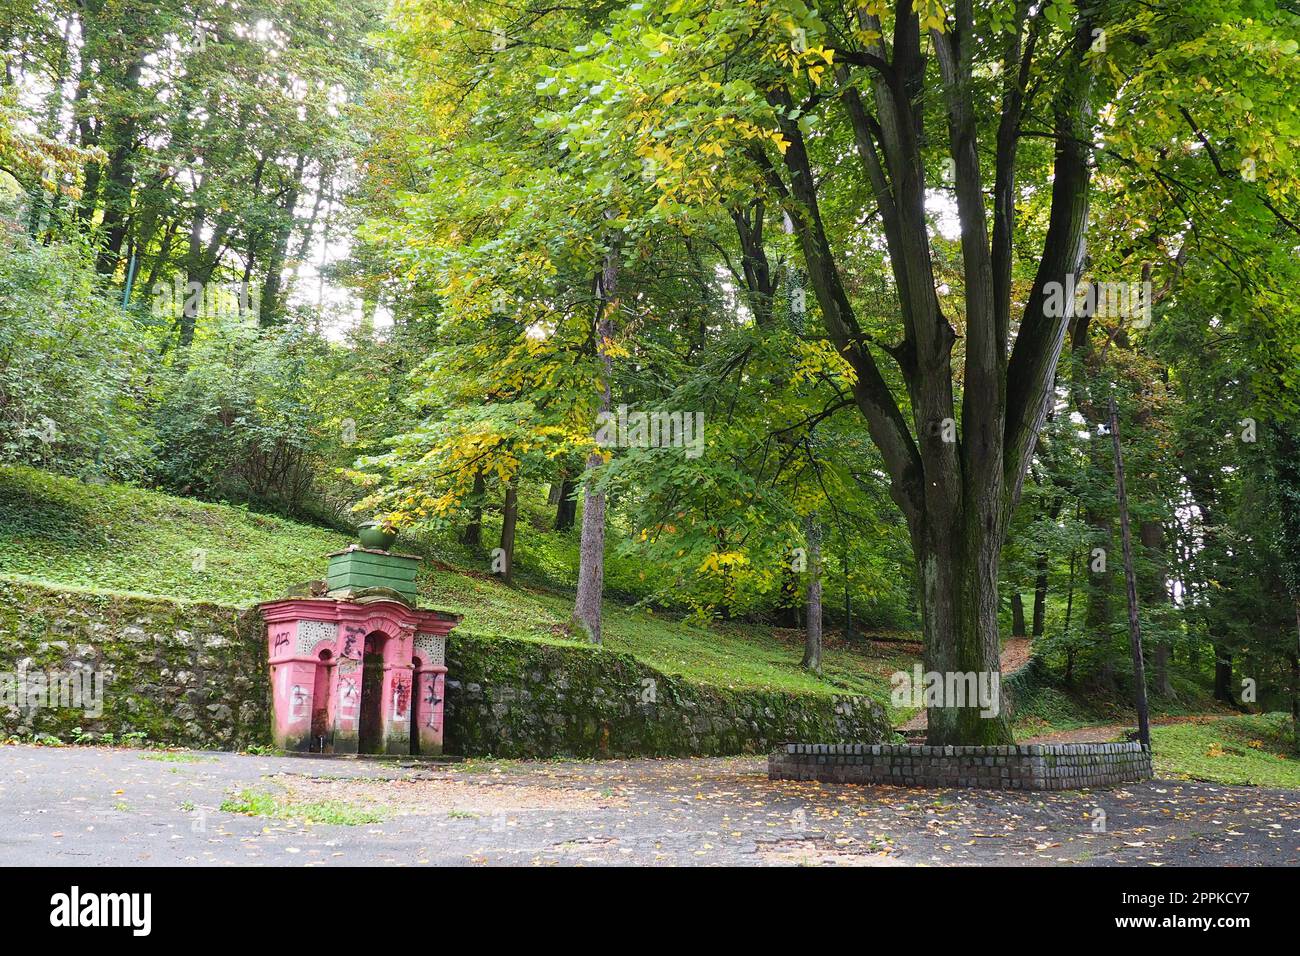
1251 749
61 531
731 655
117 538
1254 749
254 803
175 756
1048 708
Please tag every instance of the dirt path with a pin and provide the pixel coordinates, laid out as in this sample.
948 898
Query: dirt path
1016 652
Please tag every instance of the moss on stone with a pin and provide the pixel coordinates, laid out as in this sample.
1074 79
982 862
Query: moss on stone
191 674
195 675
512 698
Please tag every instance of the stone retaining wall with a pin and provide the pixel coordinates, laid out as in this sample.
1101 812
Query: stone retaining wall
196 675
1022 767
513 698
190 674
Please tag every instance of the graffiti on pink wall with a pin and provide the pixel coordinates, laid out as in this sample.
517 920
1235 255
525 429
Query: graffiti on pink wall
280 637
349 708
354 637
434 711
321 702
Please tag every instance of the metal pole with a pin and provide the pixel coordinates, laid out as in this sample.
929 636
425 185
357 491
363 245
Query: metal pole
130 279
1130 578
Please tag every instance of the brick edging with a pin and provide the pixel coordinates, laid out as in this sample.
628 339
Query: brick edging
1010 767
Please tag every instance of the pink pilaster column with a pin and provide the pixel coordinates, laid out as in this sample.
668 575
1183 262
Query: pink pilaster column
292 680
431 682
347 706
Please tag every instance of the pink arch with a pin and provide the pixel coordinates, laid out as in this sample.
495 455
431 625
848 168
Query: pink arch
388 626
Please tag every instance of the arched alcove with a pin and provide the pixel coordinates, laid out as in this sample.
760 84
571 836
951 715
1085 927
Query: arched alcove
370 731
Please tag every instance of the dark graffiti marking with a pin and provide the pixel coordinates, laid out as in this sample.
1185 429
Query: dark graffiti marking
353 633
281 640
349 688
433 700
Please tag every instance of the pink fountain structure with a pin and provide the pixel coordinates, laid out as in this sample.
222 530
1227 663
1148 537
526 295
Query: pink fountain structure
359 669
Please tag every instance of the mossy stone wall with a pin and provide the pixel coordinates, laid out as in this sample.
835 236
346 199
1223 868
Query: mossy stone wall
188 674
196 675
513 698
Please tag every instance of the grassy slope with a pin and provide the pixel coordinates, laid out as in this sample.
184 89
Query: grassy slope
1203 740
116 538
1251 749
1050 709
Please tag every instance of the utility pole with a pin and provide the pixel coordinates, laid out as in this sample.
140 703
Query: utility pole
1130 578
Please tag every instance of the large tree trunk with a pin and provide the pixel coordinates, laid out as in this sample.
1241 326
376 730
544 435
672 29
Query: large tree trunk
812 649
591 549
473 536
1018 628
509 519
566 508
959 583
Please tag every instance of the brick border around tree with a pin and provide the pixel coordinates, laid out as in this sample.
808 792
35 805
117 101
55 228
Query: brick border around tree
1014 767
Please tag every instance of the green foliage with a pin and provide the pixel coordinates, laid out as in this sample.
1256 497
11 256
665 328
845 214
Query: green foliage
73 366
114 537
729 524
253 415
